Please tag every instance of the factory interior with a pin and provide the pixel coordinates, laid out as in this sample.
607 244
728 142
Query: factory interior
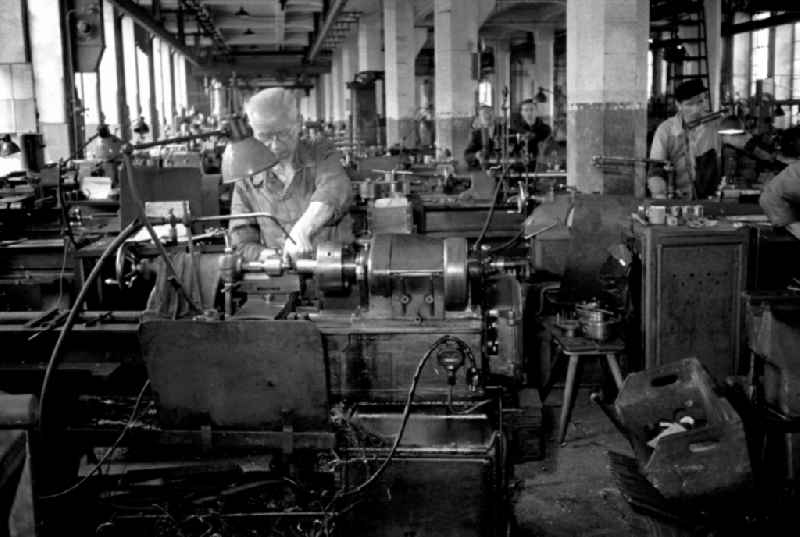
530 250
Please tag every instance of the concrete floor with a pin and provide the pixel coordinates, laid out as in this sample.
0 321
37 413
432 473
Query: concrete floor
571 492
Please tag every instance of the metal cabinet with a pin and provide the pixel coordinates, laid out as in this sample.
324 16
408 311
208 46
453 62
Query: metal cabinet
691 283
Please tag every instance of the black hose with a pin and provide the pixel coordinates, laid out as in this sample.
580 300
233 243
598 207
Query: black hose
173 275
56 355
510 242
488 220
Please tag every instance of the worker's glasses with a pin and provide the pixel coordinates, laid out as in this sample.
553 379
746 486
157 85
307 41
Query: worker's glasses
275 136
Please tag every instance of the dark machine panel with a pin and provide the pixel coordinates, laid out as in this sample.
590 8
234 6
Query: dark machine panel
691 284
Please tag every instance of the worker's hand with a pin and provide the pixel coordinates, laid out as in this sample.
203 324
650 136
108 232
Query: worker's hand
299 243
657 186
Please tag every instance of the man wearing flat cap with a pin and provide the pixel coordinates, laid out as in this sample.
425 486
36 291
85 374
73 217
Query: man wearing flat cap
692 152
308 191
693 149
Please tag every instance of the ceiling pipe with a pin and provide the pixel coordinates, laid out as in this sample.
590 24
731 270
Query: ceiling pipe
333 13
146 21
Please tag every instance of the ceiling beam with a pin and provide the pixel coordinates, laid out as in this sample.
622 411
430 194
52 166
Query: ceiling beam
298 23
330 17
143 19
264 64
267 38
775 20
205 20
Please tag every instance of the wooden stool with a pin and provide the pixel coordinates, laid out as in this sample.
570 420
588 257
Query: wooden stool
575 348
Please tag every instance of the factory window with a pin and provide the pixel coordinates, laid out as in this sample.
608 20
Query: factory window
485 92
181 97
108 71
131 69
759 53
86 89
144 86
167 110
796 62
158 78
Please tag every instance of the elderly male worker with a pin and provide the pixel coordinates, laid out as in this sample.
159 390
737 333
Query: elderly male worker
780 199
530 131
308 191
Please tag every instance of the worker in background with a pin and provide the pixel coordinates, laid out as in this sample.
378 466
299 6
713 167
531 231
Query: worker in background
483 140
530 132
308 191
693 152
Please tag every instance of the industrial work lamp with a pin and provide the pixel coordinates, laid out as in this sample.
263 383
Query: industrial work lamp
244 156
7 146
730 126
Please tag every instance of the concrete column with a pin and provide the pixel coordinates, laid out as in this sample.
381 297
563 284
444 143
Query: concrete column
327 83
337 86
607 93
399 46
47 57
349 69
741 65
713 12
311 104
783 68
17 94
319 97
502 74
303 107
544 39
455 40
370 56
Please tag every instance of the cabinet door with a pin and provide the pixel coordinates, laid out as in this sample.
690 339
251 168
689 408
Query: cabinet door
695 307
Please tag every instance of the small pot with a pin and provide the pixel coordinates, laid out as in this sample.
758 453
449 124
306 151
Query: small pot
599 330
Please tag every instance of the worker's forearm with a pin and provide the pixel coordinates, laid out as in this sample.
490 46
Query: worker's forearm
317 215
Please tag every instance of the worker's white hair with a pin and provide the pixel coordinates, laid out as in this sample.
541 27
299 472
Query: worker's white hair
271 105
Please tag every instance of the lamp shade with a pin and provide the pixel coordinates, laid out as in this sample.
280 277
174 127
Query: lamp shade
730 126
7 146
541 97
244 156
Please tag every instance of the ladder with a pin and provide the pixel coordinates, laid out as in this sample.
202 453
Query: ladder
681 30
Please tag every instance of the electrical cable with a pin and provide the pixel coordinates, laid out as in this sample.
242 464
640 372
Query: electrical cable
137 200
109 451
61 275
488 220
56 355
510 242
404 421
62 205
